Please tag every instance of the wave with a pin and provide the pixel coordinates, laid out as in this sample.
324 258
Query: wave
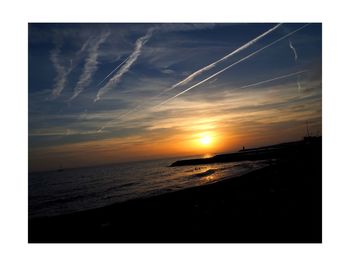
203 174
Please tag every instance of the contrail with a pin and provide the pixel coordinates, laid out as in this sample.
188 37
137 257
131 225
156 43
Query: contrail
109 122
299 85
200 71
114 70
296 59
125 68
235 63
206 68
90 66
273 79
62 72
212 76
137 51
118 117
294 50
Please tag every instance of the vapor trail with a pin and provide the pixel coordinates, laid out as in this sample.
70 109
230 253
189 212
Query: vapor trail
125 68
206 68
117 118
90 66
62 73
273 79
114 70
296 59
200 71
294 50
299 85
228 67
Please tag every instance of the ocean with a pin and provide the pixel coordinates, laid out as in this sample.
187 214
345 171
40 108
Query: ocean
61 192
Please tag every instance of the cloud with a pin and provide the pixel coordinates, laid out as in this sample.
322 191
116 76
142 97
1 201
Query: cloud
294 50
140 42
233 64
210 66
90 66
299 85
296 59
273 79
114 70
63 72
184 27
217 73
167 71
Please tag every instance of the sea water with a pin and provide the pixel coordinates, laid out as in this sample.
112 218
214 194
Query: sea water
72 190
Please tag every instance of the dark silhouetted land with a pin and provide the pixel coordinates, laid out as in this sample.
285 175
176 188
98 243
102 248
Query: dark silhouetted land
263 153
281 203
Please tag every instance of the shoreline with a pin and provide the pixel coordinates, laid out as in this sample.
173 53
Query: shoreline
199 177
281 203
145 198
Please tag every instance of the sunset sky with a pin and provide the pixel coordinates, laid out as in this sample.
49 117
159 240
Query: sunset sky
105 93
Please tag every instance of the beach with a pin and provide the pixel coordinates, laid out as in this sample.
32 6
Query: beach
281 203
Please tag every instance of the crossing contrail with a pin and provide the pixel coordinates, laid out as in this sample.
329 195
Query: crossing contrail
233 64
140 42
210 77
138 47
114 70
273 79
210 66
200 71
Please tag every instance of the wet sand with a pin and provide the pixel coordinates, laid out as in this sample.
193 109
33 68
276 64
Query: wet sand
281 203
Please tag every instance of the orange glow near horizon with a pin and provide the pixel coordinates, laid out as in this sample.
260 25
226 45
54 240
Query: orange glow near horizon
210 139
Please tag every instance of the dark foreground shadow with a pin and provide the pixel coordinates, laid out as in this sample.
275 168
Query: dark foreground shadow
281 203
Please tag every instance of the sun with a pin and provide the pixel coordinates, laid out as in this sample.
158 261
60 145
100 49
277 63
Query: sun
205 140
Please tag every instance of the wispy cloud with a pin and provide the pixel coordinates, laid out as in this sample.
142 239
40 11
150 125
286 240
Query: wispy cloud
210 66
233 64
204 69
90 66
299 84
296 60
140 42
63 72
294 50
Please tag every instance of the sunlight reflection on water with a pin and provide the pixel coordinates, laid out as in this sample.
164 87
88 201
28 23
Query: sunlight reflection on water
52 193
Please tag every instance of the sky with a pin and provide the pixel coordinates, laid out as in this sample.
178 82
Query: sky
107 93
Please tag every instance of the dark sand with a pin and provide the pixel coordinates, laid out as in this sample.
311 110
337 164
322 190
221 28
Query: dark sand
281 203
